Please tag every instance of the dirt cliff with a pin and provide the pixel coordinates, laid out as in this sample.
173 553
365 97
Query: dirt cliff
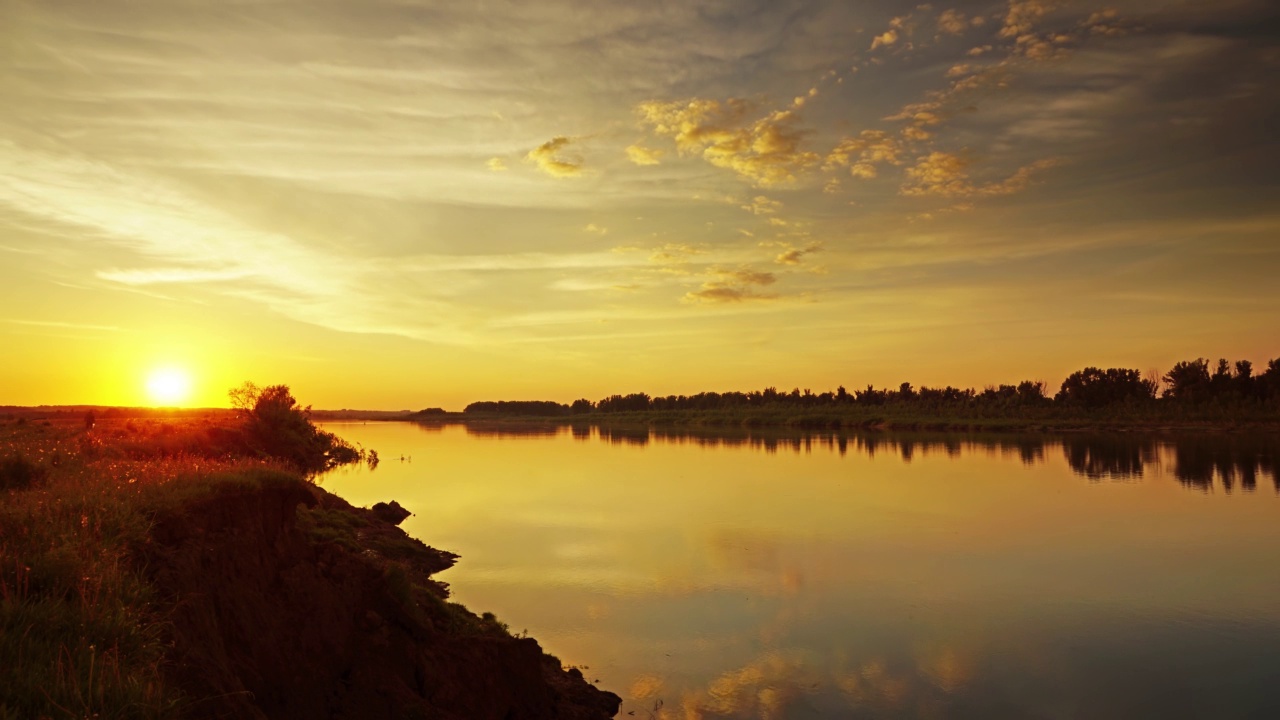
283 601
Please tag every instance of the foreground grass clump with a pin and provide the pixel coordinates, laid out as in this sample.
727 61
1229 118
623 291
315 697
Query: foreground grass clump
79 635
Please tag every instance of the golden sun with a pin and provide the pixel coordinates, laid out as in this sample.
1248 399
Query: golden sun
168 386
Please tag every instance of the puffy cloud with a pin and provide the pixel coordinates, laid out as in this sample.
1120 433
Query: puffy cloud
959 70
641 155
915 132
863 153
947 175
1021 17
595 229
885 39
496 164
1106 22
761 205
727 286
765 151
952 22
548 159
674 253
793 255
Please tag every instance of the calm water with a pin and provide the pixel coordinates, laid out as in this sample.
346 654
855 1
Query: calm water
943 577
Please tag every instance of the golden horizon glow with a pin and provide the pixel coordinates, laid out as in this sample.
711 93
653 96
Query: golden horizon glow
399 206
169 386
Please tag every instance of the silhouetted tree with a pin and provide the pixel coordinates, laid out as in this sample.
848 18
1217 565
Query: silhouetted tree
1243 380
275 425
1188 381
1094 388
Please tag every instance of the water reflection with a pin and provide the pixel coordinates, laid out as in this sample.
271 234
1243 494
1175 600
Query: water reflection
739 575
1201 462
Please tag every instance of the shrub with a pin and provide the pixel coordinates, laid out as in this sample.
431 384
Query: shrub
19 473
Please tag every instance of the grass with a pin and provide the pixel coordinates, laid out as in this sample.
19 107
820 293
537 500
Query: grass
79 633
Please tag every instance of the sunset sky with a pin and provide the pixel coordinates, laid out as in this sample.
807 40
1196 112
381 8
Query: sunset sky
412 203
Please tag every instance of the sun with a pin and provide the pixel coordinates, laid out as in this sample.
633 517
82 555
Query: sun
168 386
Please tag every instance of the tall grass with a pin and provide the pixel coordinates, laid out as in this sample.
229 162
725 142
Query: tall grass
80 635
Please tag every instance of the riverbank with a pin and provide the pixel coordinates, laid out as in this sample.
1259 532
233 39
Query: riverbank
857 419
141 577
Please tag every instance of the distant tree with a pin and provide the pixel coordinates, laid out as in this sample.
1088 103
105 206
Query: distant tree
1268 383
1220 384
244 397
581 406
1032 392
870 396
1094 388
1152 381
1188 381
1243 379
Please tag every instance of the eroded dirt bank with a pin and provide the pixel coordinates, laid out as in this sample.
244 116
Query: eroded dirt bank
283 601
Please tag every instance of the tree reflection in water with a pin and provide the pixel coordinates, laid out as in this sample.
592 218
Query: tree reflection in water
1201 462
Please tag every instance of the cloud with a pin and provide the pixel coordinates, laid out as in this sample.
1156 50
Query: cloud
885 39
496 164
729 286
675 252
765 151
1020 25
761 205
61 325
793 255
641 155
595 229
548 159
158 276
952 22
947 175
863 153
1106 22
1021 17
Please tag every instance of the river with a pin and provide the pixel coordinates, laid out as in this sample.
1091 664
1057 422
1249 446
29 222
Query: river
944 576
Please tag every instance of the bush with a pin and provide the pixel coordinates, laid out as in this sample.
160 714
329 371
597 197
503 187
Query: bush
276 426
19 473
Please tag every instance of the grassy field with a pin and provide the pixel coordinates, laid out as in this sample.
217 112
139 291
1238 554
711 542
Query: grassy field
81 637
134 554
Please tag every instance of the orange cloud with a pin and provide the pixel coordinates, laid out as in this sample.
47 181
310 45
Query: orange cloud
863 153
885 39
952 22
765 151
546 156
726 286
641 155
761 205
947 175
793 255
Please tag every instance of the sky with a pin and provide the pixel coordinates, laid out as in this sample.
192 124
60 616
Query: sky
410 203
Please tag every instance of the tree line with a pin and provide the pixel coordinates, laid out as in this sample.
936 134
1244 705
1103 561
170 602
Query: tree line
1190 383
